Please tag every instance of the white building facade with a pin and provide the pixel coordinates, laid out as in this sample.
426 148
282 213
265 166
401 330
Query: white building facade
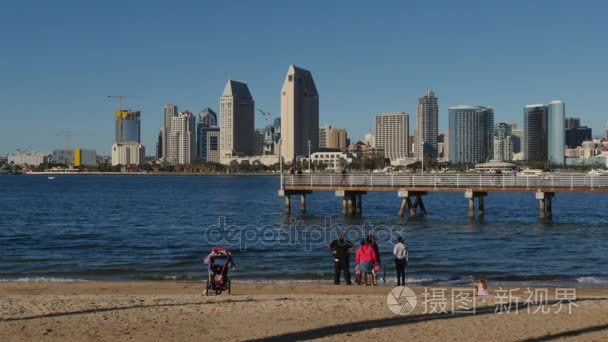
128 154
391 133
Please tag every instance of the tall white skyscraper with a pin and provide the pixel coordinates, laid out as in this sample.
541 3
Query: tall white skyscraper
427 117
299 113
236 121
182 139
557 132
169 113
392 133
503 143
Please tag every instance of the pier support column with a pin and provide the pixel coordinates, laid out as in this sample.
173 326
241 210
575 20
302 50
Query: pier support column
287 195
471 196
352 201
402 207
412 207
545 205
303 203
287 203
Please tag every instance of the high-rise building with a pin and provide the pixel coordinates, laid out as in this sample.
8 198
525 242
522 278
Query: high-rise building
128 126
392 133
535 132
427 117
129 153
206 127
577 135
337 138
299 114
182 139
323 136
573 123
503 144
471 134
208 142
159 143
517 137
556 132
259 138
236 121
207 117
169 113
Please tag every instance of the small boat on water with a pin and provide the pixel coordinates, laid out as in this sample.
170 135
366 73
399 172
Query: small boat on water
51 178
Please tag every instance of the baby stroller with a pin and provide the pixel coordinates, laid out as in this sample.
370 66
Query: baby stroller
218 261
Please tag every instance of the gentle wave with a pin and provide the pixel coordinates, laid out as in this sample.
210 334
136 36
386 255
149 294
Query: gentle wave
42 280
592 280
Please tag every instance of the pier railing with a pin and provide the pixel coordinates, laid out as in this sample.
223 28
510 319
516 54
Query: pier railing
448 181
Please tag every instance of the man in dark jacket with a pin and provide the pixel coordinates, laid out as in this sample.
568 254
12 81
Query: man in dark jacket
341 249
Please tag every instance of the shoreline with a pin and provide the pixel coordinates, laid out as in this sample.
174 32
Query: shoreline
144 174
110 311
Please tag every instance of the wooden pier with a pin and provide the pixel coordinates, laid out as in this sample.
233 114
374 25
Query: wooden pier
413 187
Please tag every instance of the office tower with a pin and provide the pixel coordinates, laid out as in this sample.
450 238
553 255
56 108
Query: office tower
446 145
159 144
182 139
577 135
337 138
392 133
207 124
471 134
170 112
207 117
517 137
129 153
299 113
75 157
573 123
259 138
606 132
503 144
556 132
535 132
128 126
323 136
427 117
236 120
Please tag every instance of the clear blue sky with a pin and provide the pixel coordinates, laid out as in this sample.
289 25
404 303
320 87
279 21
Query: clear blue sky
60 59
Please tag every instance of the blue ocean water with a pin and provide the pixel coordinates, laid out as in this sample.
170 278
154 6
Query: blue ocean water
160 228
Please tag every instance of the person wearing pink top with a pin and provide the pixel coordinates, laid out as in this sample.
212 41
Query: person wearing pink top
366 258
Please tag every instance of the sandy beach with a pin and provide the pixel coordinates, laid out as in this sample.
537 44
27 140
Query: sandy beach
149 311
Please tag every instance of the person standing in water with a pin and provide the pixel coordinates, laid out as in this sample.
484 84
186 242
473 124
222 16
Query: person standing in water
401 260
341 249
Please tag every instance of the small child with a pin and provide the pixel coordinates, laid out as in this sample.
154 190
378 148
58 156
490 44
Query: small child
482 287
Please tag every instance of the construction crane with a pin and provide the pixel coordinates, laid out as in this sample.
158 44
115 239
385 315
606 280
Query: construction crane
267 117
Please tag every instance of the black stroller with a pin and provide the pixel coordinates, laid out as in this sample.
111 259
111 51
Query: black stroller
218 261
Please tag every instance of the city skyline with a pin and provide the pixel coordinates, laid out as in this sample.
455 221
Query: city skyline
61 73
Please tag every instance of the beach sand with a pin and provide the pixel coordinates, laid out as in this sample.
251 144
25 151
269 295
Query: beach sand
152 311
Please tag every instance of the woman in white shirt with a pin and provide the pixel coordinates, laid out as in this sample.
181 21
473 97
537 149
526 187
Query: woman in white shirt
401 259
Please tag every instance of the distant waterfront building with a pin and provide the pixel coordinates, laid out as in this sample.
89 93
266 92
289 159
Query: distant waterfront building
427 118
391 134
169 113
535 132
503 144
333 138
130 153
556 132
573 123
21 158
577 135
75 157
334 160
323 136
471 134
299 113
236 121
128 126
182 139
